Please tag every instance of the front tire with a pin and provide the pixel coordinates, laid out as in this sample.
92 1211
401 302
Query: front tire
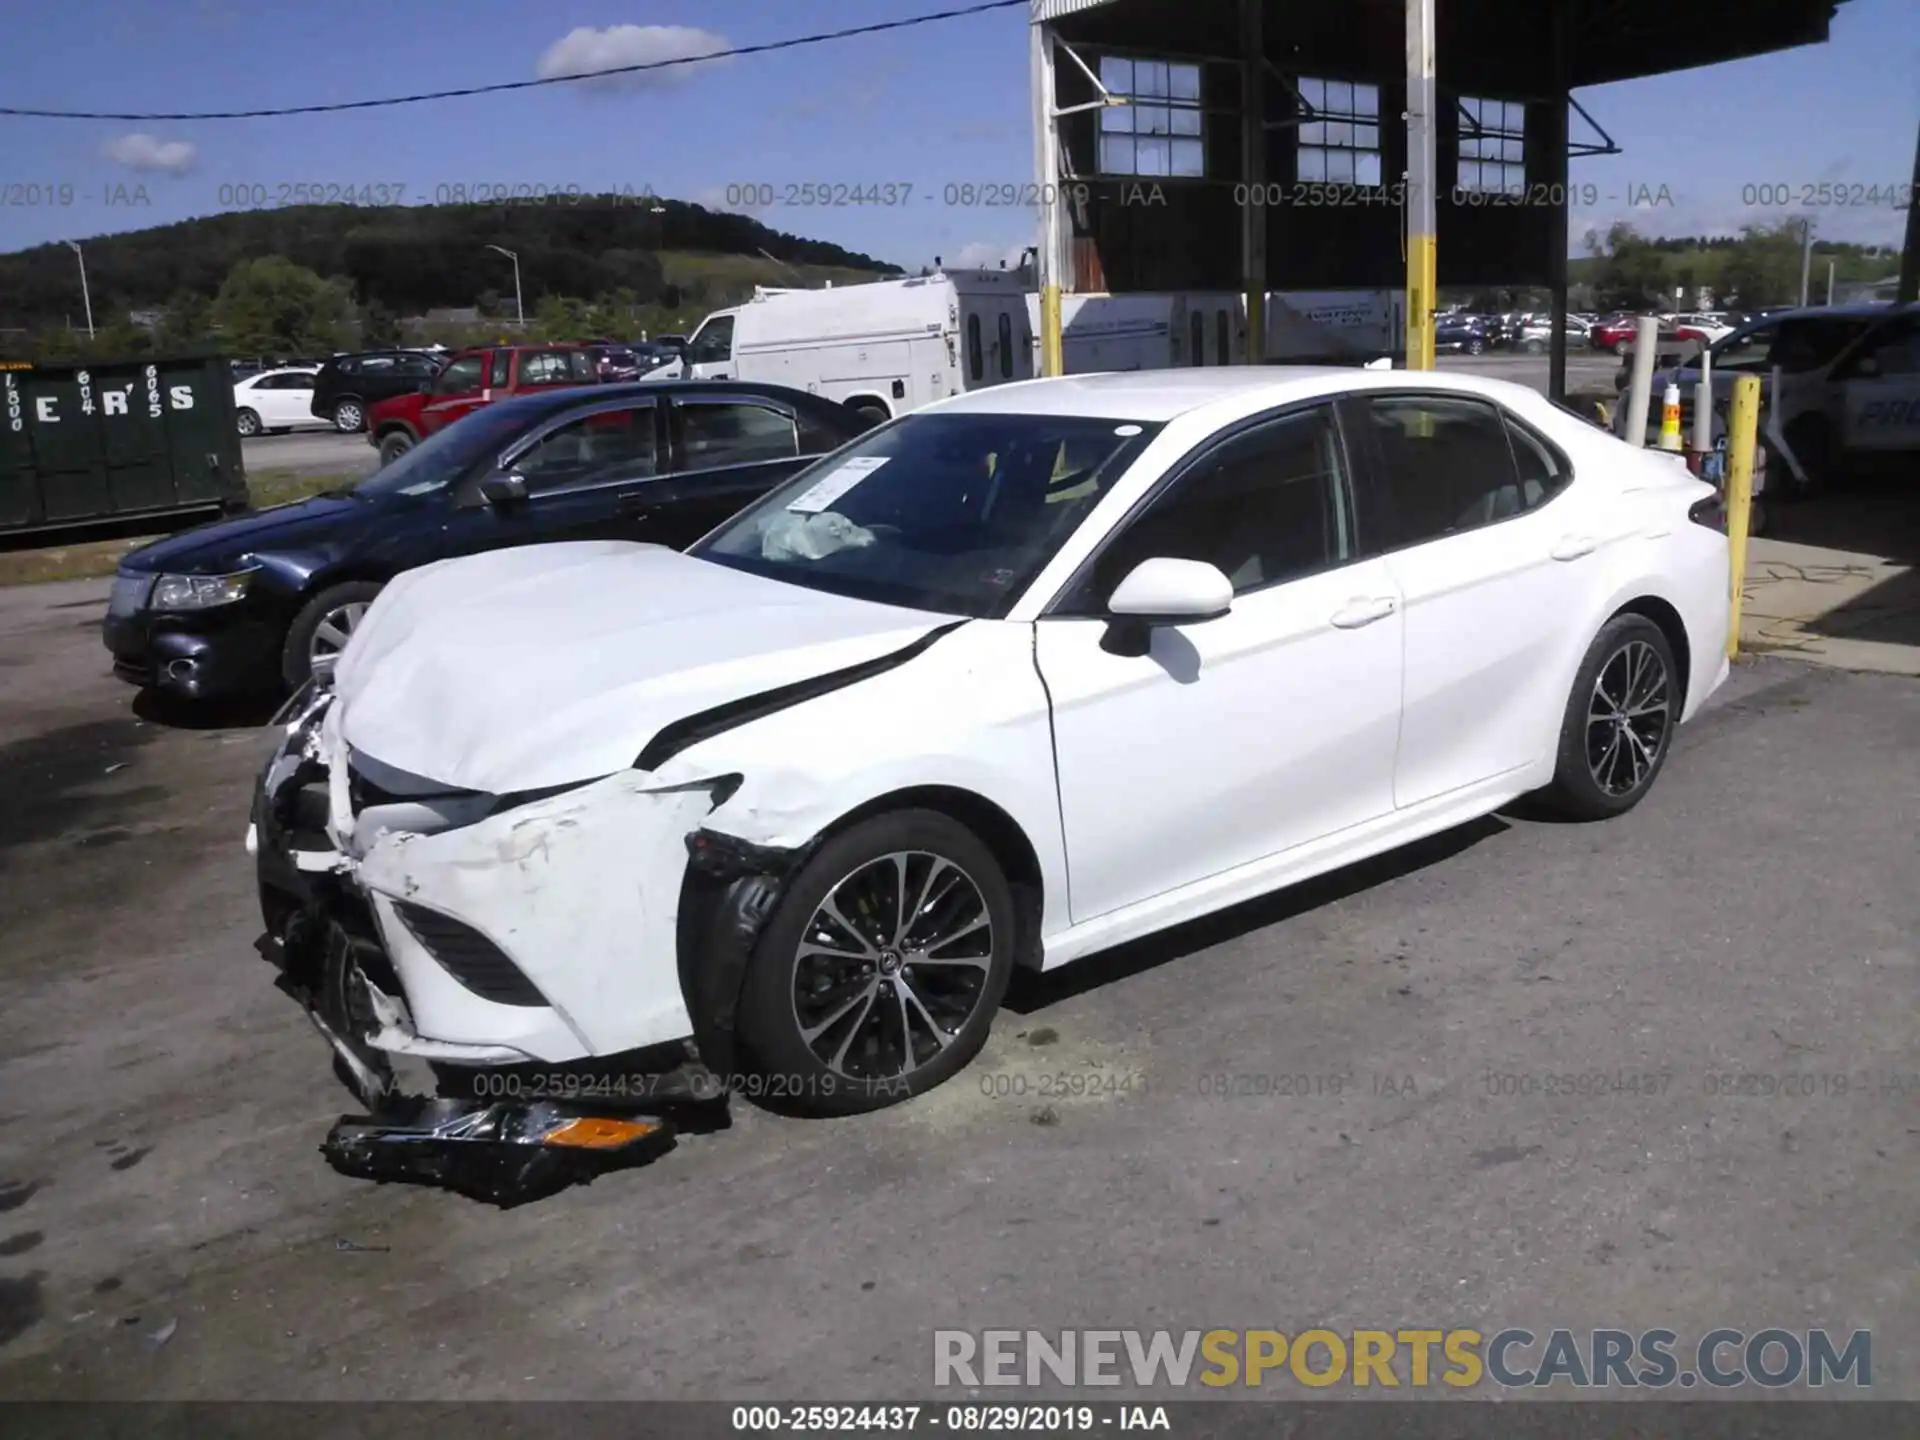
1476 347
247 423
393 446
880 972
322 628
1619 721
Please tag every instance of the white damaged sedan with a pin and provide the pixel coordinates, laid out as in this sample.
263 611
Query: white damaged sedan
1011 679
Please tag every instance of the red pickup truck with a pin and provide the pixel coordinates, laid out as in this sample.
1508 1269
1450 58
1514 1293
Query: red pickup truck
469 380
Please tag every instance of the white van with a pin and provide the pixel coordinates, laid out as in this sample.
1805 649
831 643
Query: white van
1174 331
882 348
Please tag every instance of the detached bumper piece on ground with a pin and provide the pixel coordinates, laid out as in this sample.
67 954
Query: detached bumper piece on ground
506 1153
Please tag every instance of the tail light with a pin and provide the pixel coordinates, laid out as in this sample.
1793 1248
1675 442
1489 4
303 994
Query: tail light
1710 512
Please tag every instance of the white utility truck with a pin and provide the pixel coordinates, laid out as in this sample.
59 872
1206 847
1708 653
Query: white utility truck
891 346
885 347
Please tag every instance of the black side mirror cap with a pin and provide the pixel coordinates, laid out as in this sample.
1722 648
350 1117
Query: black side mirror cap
505 488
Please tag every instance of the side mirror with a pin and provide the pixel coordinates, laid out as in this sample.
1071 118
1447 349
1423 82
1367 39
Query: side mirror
506 488
1165 591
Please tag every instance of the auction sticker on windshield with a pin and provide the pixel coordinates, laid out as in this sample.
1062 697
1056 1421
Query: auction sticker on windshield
837 482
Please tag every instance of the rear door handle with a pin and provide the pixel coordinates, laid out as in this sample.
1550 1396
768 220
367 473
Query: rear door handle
1572 547
1363 612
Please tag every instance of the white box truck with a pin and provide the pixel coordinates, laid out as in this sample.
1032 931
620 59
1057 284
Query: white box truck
885 347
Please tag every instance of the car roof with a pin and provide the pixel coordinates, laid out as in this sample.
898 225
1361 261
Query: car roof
1161 395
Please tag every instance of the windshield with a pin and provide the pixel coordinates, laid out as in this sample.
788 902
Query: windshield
951 513
445 456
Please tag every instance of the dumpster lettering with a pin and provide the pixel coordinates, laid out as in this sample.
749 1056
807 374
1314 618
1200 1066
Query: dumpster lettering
153 392
86 392
43 410
112 402
181 397
15 420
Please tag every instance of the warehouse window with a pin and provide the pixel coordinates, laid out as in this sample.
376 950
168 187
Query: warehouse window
1493 147
1223 335
976 369
1340 143
1159 131
1197 338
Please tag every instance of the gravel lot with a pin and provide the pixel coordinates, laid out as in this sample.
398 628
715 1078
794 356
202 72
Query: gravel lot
161 1103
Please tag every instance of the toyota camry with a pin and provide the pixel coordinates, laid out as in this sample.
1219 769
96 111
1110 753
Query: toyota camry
1009 680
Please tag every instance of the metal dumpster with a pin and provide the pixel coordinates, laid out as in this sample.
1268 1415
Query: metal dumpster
88 442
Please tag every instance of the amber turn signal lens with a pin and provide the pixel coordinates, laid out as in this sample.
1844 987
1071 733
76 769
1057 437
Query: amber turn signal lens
593 1133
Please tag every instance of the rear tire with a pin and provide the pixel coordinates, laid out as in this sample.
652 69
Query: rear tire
1476 347
836 1020
871 413
393 446
349 417
247 423
1619 722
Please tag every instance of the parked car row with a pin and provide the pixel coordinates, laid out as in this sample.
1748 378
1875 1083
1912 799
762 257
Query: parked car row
807 793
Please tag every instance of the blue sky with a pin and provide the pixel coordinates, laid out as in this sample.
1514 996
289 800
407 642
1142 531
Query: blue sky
938 105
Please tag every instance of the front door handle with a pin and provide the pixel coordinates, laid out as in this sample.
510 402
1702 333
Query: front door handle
1363 611
1572 547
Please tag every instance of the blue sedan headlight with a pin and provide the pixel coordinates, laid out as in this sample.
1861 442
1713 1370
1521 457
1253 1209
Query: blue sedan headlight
199 592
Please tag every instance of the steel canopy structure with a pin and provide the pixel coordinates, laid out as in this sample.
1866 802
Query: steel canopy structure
1259 145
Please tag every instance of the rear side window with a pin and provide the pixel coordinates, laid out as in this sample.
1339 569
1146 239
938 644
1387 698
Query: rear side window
546 367
735 434
1543 470
502 369
1441 465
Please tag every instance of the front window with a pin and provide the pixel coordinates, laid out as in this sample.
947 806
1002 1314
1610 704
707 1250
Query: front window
604 446
1804 345
1340 142
1160 131
714 344
951 513
460 377
447 455
1493 147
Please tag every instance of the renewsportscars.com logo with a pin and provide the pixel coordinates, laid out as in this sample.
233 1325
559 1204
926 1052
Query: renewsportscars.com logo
1721 1359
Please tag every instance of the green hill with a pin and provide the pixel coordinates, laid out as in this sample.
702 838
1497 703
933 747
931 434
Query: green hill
666 254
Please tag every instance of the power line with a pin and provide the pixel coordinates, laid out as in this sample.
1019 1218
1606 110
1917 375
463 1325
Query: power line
905 24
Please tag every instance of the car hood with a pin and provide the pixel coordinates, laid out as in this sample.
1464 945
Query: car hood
225 544
549 664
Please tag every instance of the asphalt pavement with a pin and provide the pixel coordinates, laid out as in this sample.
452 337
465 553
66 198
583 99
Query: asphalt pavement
310 452
1128 1152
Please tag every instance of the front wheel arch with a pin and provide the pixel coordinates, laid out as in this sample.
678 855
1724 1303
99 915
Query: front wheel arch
720 917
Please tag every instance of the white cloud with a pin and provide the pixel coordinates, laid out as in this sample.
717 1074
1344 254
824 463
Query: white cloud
587 51
150 152
984 255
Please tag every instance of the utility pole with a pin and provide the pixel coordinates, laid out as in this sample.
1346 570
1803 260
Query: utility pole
1806 258
1830 282
1422 243
1910 252
519 310
85 298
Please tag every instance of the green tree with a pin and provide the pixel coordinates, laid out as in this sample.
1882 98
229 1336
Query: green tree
187 323
275 307
119 338
1764 268
561 317
1631 272
379 326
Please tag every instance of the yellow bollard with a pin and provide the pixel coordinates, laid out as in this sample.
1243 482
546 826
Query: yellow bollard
1670 419
1743 434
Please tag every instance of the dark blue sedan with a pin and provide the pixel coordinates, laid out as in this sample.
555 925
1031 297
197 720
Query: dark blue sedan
261 601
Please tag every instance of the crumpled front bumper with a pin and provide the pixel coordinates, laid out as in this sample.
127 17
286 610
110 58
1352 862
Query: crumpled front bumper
471 931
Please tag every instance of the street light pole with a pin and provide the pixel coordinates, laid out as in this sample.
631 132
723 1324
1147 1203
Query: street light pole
85 298
519 310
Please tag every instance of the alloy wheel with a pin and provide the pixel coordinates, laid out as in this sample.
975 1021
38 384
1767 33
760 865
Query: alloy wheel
347 417
330 636
247 423
892 965
1628 718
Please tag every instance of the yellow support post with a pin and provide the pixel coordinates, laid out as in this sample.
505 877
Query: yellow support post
1052 347
1743 436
